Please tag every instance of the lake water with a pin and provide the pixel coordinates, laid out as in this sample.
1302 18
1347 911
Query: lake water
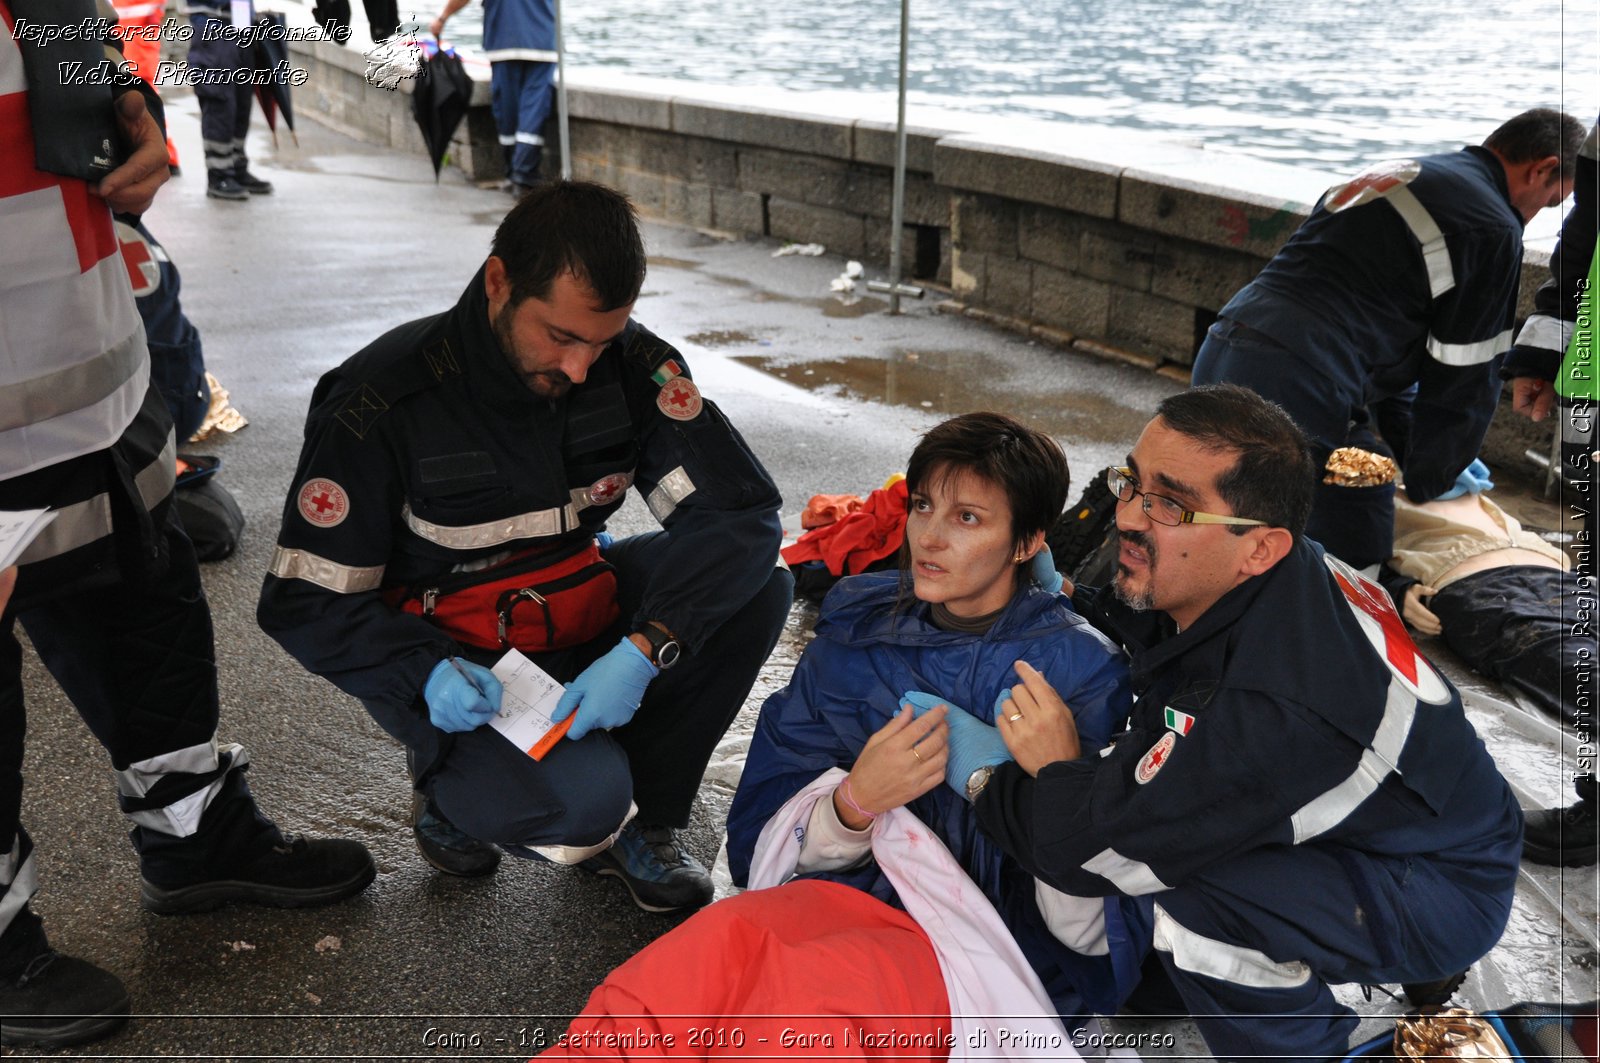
1330 85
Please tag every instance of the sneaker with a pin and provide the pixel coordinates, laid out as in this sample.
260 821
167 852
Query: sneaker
1425 994
1562 837
251 183
59 1000
445 846
221 185
659 874
300 873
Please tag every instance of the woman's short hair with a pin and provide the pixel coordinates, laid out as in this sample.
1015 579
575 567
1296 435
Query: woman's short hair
1026 464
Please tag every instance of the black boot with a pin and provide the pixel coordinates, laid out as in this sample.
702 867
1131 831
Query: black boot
220 184
250 182
445 846
239 856
1563 837
49 1000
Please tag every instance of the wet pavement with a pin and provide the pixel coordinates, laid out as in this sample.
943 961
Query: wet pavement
831 393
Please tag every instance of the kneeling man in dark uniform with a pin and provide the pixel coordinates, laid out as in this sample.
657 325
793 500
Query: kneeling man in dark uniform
1299 799
449 504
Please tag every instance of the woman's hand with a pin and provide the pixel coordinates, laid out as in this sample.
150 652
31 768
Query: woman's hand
1036 724
902 761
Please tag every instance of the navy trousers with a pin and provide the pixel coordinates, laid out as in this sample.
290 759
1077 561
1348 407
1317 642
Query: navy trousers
579 793
519 95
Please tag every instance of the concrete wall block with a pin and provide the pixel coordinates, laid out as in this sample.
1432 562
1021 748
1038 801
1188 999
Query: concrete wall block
709 162
1198 275
648 191
984 223
1008 288
838 231
1118 255
968 274
1050 235
875 144
764 127
736 212
818 181
877 250
687 201
639 110
1079 305
1149 324
927 202
1215 217
1082 185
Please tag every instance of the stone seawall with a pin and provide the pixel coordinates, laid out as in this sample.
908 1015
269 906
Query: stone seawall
1114 243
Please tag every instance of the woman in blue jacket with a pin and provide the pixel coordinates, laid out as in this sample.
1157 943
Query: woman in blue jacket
838 938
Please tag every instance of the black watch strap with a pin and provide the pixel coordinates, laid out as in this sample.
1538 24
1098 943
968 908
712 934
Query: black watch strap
665 650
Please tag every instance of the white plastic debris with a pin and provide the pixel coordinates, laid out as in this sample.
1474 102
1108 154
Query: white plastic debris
240 946
328 944
846 281
809 250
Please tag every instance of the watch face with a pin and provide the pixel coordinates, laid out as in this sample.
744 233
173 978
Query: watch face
978 780
667 653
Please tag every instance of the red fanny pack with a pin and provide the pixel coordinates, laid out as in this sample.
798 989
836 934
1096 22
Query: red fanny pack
536 600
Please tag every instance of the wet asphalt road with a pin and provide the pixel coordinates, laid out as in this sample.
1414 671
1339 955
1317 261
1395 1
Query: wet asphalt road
355 241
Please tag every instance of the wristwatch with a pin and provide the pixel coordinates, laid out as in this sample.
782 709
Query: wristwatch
665 650
978 780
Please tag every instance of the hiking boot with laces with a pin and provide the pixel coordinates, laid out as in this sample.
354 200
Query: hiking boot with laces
299 873
221 185
658 873
252 184
1562 837
58 1000
445 846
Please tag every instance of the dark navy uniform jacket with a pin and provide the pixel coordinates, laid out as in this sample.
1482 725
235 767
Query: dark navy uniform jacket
519 29
425 453
1295 711
1418 286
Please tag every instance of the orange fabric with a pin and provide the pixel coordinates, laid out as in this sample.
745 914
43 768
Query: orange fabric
816 969
826 509
857 539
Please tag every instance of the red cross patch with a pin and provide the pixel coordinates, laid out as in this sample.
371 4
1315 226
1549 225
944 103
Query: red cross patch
1376 615
607 488
1374 182
1154 758
324 503
144 271
679 399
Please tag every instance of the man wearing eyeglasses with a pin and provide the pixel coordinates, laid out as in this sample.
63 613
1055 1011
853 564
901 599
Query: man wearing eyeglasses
1299 800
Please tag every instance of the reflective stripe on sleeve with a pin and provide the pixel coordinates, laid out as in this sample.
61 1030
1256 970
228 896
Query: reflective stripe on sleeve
528 55
329 575
89 521
1221 960
1435 253
1469 353
538 524
1334 806
1132 877
21 882
1545 332
671 489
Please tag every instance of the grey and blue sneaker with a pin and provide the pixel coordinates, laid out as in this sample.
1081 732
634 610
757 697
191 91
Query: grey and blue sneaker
445 846
658 873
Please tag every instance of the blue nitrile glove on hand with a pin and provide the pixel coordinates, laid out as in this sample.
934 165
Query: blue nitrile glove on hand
604 540
1044 571
1474 480
458 702
973 743
608 692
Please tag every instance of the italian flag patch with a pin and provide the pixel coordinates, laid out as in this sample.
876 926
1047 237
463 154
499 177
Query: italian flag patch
668 370
1178 721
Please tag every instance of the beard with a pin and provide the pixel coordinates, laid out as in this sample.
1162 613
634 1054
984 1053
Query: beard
1139 601
546 383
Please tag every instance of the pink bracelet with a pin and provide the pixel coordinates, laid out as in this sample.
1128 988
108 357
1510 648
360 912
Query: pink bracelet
844 792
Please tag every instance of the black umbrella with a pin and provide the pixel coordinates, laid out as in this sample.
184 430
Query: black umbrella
270 53
439 100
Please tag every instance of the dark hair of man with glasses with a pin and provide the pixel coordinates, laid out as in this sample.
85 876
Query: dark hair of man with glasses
1274 479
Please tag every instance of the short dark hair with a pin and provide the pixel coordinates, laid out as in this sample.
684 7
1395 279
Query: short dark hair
1274 478
1026 464
1539 134
575 227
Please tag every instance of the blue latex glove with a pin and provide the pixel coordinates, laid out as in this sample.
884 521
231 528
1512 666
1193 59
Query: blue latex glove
973 743
604 539
1044 571
608 692
461 702
1474 480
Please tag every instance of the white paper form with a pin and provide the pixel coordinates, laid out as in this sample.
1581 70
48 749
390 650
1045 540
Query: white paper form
528 697
18 528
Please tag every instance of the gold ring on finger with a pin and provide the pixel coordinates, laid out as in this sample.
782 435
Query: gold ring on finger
914 753
1014 717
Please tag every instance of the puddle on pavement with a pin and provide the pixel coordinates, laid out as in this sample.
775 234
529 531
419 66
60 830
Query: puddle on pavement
672 263
720 338
857 307
952 382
